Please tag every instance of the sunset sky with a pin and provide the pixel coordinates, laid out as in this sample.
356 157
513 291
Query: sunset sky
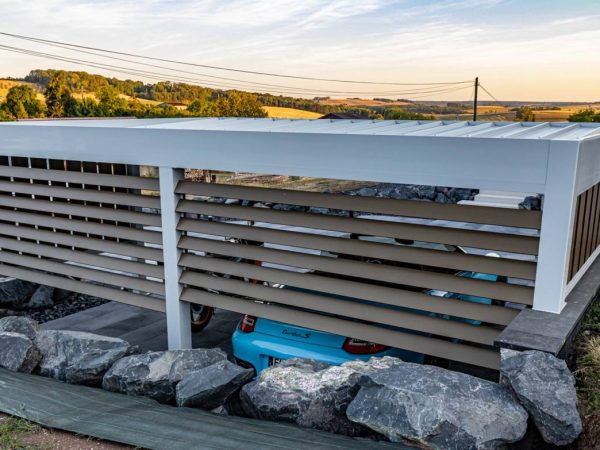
520 49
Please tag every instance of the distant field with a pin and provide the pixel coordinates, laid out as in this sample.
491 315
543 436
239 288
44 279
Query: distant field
276 112
5 85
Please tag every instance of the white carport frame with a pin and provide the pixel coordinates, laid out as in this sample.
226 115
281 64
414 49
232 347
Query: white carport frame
559 161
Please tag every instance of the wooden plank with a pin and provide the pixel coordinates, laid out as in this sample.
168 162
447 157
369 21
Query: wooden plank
446 235
417 343
378 272
372 293
408 208
352 309
413 255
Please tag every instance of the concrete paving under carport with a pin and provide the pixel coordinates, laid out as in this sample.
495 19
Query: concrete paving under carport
145 327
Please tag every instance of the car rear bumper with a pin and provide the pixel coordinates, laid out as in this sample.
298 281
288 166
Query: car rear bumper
257 348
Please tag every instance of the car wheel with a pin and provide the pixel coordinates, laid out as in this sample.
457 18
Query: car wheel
201 316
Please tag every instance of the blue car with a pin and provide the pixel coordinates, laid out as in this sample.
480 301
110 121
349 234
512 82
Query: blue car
259 343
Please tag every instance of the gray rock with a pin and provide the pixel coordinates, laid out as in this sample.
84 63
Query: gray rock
532 203
211 387
155 374
18 353
457 194
441 198
41 298
310 393
21 325
438 408
425 192
78 357
546 387
15 293
188 361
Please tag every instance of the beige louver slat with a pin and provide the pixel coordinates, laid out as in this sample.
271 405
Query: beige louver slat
342 274
63 176
435 347
75 228
352 289
454 236
378 272
133 234
424 256
407 208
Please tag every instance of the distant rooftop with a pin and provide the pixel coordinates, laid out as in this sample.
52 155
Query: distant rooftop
460 129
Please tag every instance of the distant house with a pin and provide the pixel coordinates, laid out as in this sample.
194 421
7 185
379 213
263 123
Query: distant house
179 106
343 116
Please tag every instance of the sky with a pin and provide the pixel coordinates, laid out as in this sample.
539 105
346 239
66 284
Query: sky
520 49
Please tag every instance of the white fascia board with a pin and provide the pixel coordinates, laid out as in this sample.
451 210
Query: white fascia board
497 164
588 165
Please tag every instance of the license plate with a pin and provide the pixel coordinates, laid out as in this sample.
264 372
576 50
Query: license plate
274 361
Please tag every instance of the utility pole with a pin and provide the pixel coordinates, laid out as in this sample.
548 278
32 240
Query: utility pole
475 99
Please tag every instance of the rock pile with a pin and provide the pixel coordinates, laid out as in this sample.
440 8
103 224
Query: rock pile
427 406
156 374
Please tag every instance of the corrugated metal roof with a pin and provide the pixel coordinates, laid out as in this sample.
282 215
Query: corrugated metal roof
439 128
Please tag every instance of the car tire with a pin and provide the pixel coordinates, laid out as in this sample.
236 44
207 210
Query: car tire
200 316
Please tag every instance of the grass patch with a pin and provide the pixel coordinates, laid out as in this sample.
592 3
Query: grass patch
587 370
11 428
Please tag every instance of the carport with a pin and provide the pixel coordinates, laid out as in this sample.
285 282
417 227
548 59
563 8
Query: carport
76 214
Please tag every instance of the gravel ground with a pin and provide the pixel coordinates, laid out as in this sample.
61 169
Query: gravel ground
75 304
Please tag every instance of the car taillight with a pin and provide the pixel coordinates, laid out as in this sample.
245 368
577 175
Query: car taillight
360 347
247 324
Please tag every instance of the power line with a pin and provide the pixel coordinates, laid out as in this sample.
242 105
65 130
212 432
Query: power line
207 66
252 83
160 76
490 94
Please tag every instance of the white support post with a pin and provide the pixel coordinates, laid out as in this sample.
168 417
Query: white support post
178 313
557 227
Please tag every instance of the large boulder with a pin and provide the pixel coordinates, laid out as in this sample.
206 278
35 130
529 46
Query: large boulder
211 387
18 353
546 387
155 374
19 324
309 393
78 357
438 408
15 293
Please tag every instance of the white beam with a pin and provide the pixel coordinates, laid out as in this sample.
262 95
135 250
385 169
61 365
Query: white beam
557 227
178 313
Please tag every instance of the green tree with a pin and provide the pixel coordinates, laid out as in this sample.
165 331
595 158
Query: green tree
5 116
59 101
202 108
239 104
110 104
22 103
586 115
525 114
86 107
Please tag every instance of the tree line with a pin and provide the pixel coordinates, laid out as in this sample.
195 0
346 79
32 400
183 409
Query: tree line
61 90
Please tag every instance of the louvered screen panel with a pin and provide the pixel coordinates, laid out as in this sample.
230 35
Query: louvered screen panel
88 227
586 231
366 268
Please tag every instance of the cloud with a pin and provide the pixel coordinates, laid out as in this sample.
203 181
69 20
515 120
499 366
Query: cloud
393 40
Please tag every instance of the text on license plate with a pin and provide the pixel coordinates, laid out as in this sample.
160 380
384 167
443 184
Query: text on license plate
274 361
